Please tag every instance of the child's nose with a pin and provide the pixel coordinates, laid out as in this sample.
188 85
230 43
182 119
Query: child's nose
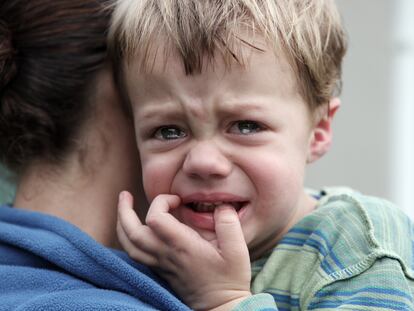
205 160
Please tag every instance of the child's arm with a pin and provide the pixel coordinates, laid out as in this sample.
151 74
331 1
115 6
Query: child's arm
207 275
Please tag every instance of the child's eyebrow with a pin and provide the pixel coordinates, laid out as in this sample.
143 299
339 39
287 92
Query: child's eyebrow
173 112
232 107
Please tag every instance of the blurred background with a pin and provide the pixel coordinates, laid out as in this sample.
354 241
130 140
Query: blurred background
6 186
373 149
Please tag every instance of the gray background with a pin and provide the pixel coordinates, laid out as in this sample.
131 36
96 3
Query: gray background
358 157
6 186
373 132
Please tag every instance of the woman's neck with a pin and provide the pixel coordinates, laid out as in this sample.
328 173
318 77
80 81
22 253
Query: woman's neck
87 199
84 189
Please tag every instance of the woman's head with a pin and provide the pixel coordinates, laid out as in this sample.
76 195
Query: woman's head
62 126
49 54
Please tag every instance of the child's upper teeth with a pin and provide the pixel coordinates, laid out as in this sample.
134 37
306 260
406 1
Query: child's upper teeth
210 206
205 205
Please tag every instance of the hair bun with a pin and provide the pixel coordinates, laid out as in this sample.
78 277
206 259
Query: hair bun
7 64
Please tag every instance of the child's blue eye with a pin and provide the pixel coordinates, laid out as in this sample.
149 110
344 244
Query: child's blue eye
245 127
169 133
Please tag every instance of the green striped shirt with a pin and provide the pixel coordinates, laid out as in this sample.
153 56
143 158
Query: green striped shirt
353 252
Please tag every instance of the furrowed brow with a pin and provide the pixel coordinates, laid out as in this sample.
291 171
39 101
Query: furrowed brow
159 111
237 107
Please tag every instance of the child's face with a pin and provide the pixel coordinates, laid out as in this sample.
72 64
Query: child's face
239 136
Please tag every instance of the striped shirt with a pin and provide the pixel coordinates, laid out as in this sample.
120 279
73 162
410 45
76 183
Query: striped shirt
353 252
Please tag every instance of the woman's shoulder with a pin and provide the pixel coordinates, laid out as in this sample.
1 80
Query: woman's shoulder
63 264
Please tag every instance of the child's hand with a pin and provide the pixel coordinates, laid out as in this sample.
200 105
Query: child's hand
205 275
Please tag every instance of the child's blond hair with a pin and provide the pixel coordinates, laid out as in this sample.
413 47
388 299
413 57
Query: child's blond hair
308 32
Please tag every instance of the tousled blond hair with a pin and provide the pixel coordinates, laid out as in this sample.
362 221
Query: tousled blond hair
308 32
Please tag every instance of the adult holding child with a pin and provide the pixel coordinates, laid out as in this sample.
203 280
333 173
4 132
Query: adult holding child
231 100
65 135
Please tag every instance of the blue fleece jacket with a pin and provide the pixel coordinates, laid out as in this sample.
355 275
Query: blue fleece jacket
49 264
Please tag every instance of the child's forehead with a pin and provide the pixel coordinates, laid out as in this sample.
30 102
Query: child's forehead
162 55
263 74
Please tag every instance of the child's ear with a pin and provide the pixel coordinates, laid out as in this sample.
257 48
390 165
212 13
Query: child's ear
321 136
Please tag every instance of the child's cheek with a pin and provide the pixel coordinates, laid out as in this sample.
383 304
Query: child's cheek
277 179
157 178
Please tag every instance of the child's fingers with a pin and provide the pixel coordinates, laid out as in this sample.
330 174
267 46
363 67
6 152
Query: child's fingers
163 203
134 251
126 213
230 236
127 218
133 230
165 225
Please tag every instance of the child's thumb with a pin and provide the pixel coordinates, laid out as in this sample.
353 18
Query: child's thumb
229 233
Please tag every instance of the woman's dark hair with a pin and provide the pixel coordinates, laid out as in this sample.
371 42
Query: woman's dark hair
49 53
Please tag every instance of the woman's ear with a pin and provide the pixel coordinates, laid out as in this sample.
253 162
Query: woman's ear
321 136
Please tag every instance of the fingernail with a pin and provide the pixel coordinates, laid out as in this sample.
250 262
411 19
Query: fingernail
122 196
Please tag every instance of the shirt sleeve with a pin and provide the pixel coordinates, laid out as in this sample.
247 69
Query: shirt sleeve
383 286
258 302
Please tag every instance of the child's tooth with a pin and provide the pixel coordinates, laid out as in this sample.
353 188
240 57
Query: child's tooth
210 206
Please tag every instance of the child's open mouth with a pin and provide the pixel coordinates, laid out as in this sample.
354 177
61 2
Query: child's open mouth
208 207
199 212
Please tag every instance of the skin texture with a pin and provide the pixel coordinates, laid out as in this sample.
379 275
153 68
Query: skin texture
83 190
240 135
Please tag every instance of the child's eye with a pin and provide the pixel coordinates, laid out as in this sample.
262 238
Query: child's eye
245 127
169 132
